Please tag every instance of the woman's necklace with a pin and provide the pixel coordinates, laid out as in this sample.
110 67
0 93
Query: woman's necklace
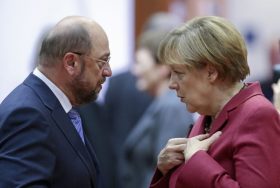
207 124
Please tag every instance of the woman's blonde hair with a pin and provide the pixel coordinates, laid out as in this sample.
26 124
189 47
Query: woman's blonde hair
207 40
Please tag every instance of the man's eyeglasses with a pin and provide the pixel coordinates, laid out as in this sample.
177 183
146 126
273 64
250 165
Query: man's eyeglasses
103 62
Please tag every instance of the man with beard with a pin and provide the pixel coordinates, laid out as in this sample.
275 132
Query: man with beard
42 143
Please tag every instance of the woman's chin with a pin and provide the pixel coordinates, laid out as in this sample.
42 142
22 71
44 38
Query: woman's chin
191 108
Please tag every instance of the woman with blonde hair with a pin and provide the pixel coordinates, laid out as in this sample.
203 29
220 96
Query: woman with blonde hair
235 142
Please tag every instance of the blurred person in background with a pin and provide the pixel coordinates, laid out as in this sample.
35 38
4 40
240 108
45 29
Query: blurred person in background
188 9
42 140
274 66
236 140
165 118
123 105
276 95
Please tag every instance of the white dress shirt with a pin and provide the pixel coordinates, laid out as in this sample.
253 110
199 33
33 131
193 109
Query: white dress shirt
62 98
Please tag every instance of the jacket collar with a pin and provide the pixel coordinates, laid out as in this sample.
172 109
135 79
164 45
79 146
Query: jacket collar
251 90
42 91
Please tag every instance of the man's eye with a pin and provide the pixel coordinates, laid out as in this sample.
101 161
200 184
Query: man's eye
101 64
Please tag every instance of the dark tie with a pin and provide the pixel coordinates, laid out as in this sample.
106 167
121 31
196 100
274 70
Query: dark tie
77 122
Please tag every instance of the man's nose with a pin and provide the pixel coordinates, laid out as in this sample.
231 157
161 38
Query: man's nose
107 71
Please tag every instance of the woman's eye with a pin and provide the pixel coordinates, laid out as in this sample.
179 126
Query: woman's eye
178 73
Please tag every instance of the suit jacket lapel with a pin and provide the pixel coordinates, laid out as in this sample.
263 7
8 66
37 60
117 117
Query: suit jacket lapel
65 125
221 121
236 101
198 127
62 121
144 124
98 179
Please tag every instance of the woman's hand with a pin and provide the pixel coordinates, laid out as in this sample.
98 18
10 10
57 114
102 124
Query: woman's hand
172 154
199 142
178 150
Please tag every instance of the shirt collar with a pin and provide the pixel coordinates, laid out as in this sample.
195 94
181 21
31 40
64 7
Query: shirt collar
62 98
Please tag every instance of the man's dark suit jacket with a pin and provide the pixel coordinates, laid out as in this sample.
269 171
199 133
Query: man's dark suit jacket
39 146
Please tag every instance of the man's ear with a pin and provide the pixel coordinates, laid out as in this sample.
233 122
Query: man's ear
212 73
70 63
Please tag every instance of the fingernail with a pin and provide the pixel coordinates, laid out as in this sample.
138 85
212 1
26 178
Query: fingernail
218 133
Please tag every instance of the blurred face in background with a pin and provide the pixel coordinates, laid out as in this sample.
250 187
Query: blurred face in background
146 71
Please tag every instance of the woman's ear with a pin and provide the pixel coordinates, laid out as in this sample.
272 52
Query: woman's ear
212 73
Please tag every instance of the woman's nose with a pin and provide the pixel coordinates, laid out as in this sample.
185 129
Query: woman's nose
172 84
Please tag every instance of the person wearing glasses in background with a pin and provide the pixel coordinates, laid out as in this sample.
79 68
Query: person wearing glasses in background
235 142
42 143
